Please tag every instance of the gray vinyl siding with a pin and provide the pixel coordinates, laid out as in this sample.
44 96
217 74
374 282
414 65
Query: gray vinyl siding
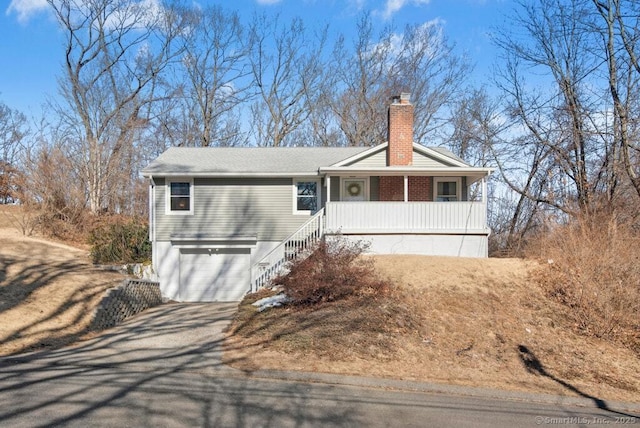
425 161
335 188
233 207
375 160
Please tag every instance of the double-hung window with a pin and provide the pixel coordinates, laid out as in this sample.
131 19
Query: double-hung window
447 189
180 197
307 196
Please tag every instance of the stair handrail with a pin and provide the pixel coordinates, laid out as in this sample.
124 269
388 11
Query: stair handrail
290 248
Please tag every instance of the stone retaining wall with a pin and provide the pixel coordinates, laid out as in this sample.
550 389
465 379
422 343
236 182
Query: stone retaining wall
127 299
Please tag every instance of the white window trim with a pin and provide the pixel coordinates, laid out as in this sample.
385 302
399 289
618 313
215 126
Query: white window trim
366 186
458 182
168 182
295 194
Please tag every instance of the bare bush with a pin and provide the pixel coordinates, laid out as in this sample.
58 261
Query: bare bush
593 267
120 239
25 219
334 270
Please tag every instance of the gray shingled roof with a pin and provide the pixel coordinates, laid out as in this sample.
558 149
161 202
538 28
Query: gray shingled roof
446 152
248 160
254 160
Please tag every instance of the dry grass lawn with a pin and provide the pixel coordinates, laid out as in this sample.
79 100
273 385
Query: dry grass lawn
458 321
48 290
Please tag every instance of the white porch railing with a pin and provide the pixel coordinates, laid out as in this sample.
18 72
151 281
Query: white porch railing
291 248
406 217
371 218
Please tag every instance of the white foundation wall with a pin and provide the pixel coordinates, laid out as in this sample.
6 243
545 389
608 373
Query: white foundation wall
166 258
429 245
166 262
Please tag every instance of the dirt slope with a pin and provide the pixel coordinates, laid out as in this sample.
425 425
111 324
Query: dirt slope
48 291
474 322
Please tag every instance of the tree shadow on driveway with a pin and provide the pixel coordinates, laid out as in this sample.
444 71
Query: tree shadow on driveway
160 368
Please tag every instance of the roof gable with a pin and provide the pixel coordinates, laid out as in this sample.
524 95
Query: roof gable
435 156
427 157
372 151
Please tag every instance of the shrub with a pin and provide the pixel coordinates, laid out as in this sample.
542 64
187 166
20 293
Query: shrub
120 240
593 267
335 269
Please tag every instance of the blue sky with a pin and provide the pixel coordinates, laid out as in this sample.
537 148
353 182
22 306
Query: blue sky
31 49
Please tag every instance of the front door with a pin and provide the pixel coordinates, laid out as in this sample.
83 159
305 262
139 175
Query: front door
354 189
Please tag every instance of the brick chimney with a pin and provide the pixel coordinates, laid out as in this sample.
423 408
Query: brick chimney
400 150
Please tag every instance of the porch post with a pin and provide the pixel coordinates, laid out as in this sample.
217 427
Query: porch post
484 190
406 188
327 181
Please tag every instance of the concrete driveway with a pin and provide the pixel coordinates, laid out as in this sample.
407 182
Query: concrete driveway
185 335
162 369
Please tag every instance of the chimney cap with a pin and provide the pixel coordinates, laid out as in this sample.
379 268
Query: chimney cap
403 98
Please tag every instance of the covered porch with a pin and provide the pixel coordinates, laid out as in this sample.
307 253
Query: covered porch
406 200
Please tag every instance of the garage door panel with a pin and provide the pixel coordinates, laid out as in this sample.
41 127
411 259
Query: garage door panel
215 276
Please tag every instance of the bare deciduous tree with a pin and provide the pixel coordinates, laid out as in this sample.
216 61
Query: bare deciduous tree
425 64
362 88
478 124
419 61
480 136
559 117
217 71
13 131
620 35
115 52
287 68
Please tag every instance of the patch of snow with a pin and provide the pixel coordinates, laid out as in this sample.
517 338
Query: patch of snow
271 302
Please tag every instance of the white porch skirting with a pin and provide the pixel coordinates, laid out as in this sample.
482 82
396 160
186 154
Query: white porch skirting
430 245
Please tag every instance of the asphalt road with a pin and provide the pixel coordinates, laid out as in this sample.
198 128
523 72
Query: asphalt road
162 369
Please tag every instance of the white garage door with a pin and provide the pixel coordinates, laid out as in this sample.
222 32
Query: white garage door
222 276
